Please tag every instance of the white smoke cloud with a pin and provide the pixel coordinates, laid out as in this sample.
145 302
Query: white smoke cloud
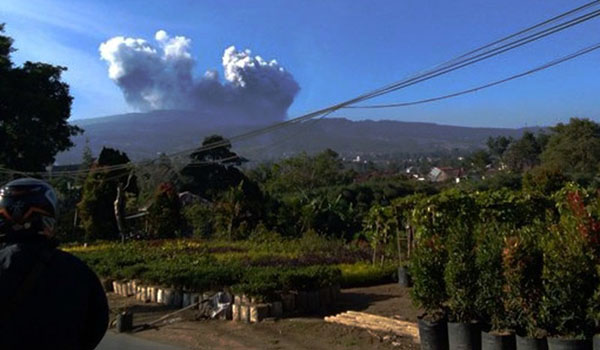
160 77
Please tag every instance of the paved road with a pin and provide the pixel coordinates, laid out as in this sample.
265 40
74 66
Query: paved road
114 341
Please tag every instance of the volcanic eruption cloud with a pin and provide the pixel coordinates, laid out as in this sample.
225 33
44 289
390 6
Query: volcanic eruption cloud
160 76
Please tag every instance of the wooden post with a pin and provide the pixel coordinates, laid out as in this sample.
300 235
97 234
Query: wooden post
118 207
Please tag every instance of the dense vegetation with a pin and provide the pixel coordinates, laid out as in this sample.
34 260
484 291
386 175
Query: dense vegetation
35 105
253 267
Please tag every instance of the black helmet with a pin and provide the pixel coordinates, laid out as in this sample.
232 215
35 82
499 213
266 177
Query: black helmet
27 208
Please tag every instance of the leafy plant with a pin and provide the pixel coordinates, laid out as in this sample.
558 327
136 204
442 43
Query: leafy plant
164 214
427 270
522 263
461 275
491 296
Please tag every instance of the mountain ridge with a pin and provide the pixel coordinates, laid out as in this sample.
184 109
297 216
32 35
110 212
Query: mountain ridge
144 135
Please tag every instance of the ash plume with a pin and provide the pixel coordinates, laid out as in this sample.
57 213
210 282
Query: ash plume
160 76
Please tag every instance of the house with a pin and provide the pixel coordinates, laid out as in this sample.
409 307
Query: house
442 174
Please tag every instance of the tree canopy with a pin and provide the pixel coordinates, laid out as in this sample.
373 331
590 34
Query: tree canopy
34 108
574 147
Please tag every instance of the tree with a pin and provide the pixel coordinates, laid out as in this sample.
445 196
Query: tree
87 160
234 216
380 226
498 145
100 191
524 153
213 170
151 176
34 108
304 173
480 160
574 147
164 214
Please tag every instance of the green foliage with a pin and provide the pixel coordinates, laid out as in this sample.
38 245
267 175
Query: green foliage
479 160
213 265
491 297
96 208
569 275
461 275
164 214
199 217
498 145
524 153
522 263
427 266
68 197
35 106
545 179
574 146
569 279
213 171
364 274
304 173
512 207
381 227
436 214
235 214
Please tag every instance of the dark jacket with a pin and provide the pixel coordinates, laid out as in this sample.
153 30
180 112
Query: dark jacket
66 309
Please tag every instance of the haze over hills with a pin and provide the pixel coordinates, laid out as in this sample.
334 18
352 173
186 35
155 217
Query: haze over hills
144 135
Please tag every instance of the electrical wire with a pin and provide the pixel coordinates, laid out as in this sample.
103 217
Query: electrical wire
444 68
485 86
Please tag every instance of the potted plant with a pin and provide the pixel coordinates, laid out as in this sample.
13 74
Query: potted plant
522 263
491 295
594 313
460 276
569 275
429 292
569 281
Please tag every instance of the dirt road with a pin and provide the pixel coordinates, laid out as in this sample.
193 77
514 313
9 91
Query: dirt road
290 333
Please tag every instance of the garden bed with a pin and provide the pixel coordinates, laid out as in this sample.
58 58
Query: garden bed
260 270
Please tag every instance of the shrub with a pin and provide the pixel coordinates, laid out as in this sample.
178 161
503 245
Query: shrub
164 214
569 279
96 207
490 284
199 217
522 263
427 270
461 275
363 274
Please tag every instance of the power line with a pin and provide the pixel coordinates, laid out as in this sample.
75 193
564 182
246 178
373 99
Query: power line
481 87
444 68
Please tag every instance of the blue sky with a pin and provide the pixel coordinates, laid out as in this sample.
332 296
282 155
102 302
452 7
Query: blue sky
334 49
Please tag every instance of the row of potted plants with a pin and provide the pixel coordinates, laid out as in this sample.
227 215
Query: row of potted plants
497 285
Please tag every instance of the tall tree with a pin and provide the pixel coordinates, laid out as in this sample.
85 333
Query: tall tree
574 147
34 108
100 191
479 160
524 153
214 169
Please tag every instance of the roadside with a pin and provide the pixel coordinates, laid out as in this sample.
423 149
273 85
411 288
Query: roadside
289 333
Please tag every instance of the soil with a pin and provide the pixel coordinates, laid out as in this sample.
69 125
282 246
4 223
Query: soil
311 333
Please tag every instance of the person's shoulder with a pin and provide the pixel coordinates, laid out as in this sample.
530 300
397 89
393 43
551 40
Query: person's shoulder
70 260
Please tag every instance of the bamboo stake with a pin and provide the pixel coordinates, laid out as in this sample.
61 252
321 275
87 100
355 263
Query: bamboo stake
377 323
150 324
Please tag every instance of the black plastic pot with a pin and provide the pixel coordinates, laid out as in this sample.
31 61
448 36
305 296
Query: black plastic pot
404 277
433 335
124 322
596 342
493 341
569 344
464 336
526 343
